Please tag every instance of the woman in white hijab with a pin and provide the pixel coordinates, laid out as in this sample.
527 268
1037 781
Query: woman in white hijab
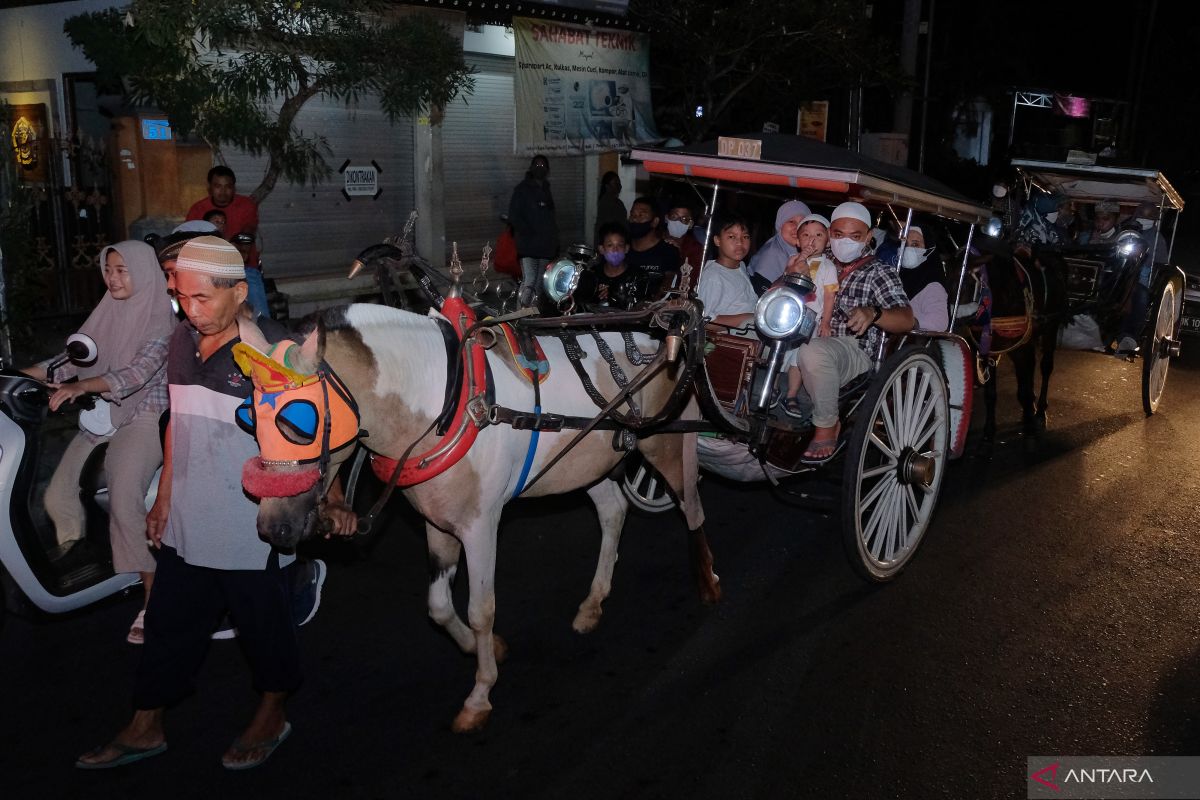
131 326
772 258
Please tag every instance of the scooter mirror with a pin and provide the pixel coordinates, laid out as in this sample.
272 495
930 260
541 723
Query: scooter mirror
81 349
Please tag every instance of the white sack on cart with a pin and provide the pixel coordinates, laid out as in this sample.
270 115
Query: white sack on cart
731 460
1082 333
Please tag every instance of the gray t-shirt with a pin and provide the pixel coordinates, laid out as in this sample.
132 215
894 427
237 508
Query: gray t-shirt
212 521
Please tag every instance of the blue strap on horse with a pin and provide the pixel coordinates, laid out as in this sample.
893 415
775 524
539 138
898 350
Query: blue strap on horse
541 367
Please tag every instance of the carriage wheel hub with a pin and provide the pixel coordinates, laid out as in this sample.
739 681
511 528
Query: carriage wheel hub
916 468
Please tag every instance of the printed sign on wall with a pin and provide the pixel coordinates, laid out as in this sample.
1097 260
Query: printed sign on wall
580 89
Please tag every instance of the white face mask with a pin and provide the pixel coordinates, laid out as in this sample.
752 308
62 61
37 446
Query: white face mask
914 257
846 250
1108 234
1052 217
1146 224
677 228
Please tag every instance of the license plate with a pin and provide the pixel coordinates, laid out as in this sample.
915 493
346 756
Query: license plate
1190 324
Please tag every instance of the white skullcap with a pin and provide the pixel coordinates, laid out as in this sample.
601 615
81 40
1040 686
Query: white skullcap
852 210
815 218
195 226
212 256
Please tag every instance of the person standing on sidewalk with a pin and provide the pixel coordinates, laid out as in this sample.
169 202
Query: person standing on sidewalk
531 214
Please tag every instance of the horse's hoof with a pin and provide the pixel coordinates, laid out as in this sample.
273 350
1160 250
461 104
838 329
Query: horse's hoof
470 720
587 619
710 590
499 648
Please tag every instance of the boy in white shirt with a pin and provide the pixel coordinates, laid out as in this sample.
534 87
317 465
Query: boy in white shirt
724 286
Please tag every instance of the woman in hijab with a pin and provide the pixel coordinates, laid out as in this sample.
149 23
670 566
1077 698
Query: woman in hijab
131 326
921 273
771 260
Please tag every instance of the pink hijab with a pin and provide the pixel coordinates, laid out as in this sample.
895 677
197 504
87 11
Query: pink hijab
122 327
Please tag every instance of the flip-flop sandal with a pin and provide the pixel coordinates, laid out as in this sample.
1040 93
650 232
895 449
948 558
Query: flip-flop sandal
793 408
128 755
833 440
268 747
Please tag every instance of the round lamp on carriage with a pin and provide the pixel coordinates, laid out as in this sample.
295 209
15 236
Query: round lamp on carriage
562 279
1130 244
993 227
781 312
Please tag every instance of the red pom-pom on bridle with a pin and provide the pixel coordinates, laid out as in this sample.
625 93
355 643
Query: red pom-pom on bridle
259 481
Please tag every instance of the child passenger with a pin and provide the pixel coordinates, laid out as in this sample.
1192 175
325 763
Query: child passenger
617 283
724 285
217 217
813 235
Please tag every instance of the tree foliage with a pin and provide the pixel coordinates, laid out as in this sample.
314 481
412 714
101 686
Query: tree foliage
237 72
754 61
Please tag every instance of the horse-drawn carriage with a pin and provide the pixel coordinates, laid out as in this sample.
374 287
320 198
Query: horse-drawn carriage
903 421
1122 280
471 407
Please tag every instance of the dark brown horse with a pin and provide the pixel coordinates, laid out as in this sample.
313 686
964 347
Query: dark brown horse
1023 302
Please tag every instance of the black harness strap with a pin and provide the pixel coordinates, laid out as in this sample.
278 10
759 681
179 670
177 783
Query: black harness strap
618 374
454 377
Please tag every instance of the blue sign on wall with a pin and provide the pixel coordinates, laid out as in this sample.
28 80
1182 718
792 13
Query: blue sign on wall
156 129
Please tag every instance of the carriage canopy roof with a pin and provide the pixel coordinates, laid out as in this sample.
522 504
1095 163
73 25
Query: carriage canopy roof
815 169
1091 183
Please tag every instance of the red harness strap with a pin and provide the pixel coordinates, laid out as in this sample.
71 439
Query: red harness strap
463 429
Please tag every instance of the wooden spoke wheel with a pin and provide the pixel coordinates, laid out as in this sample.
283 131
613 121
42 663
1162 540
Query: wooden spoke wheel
895 461
1161 343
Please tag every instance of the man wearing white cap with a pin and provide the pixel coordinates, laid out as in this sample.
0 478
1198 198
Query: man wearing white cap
869 303
211 559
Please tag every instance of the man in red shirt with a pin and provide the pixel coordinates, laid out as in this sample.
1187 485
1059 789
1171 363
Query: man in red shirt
241 217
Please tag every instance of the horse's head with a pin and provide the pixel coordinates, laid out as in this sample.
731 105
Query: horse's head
301 416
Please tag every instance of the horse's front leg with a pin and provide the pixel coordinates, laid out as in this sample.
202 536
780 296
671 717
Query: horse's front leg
989 404
1023 362
611 506
479 539
1049 345
444 551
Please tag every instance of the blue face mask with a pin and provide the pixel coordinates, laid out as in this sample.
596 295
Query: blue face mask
614 257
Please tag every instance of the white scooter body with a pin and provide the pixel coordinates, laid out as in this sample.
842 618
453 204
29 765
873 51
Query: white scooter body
22 553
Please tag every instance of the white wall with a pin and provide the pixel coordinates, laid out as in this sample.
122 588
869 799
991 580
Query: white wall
33 45
34 54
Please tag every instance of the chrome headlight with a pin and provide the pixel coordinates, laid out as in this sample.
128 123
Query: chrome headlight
781 312
1130 244
561 279
993 227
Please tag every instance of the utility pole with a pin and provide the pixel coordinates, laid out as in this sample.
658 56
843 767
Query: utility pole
910 26
925 91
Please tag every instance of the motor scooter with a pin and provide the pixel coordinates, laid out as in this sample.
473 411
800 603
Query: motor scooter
28 571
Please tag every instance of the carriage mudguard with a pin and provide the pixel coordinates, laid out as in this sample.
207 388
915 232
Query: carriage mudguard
960 385
959 366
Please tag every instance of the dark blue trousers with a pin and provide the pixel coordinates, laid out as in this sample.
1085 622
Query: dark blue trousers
188 602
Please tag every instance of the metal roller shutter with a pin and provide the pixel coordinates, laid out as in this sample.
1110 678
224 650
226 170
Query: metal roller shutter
480 169
307 230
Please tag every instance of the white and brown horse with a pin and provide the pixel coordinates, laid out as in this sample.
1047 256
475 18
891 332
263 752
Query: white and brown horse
394 363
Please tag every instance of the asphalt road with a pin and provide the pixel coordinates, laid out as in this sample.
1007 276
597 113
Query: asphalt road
1053 609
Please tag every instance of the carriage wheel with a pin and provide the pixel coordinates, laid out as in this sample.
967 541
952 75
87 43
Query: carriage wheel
897 455
1156 350
644 487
